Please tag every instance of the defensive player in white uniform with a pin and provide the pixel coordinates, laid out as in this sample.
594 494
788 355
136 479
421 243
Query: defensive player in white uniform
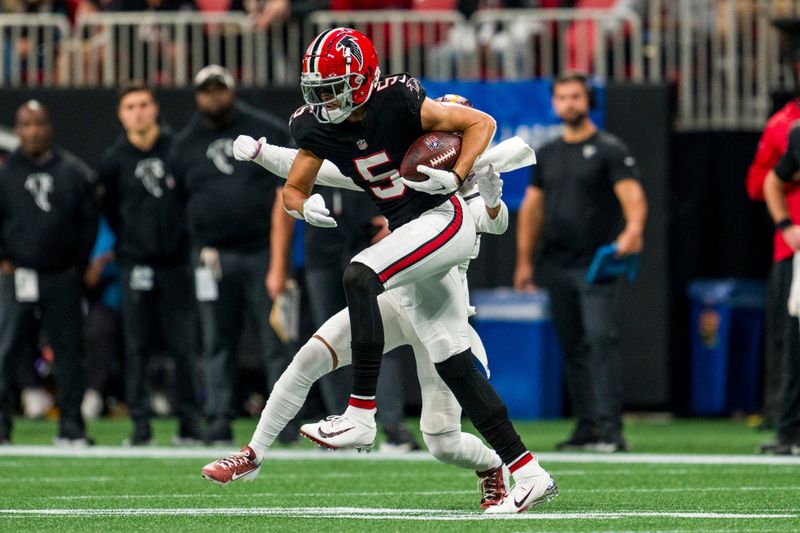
364 123
329 348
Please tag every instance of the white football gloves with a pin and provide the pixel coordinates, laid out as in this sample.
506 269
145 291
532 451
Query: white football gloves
315 212
440 182
490 186
245 148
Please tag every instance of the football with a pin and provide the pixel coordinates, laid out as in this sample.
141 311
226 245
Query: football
435 149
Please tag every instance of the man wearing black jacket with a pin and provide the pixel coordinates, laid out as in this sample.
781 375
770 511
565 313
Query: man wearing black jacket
240 237
48 223
142 202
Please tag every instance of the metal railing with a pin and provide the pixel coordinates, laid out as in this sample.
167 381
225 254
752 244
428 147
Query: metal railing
722 55
30 50
421 42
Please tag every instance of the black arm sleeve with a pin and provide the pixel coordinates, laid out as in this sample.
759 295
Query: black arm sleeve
88 220
788 164
108 190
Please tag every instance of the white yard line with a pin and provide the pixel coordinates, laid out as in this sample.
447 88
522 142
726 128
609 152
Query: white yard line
85 497
315 455
385 514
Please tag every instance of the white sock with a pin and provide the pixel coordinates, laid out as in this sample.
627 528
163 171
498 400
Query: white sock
463 450
289 393
528 467
358 409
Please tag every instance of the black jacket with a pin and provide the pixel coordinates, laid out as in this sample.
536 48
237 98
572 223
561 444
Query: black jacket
228 202
48 216
143 204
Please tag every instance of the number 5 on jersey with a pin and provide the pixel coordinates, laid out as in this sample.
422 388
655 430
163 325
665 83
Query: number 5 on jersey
387 184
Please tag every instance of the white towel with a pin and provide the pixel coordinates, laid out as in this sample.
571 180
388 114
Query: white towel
794 291
511 154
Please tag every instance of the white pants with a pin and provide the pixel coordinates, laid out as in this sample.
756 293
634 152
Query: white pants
416 262
441 412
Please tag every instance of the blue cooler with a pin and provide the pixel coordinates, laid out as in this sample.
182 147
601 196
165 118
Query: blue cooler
727 338
524 357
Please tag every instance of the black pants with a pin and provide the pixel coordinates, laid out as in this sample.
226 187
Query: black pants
102 331
60 311
780 341
242 295
327 298
584 318
782 362
169 307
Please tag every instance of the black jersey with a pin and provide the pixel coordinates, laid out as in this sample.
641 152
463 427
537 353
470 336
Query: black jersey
371 151
48 218
581 210
140 198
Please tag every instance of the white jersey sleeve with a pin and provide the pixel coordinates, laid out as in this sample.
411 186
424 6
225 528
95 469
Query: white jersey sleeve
483 223
278 160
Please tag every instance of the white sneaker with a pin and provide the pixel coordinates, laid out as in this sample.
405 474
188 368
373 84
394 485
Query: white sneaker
341 431
526 494
92 405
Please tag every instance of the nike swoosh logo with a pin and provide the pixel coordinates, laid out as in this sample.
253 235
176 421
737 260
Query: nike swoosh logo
236 476
333 434
518 503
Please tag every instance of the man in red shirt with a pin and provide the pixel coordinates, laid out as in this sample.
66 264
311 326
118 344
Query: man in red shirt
782 331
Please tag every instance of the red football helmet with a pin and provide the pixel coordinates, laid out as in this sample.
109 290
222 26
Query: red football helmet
340 69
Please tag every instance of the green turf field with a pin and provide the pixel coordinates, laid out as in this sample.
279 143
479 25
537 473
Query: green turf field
303 489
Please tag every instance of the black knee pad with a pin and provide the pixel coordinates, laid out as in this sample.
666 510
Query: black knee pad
360 279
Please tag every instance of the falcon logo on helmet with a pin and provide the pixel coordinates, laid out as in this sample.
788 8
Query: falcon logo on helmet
340 70
349 47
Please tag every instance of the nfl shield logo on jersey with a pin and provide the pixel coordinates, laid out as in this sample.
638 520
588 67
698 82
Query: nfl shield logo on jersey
362 144
432 143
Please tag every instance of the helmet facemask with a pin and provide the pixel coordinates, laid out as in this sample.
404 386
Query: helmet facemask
320 93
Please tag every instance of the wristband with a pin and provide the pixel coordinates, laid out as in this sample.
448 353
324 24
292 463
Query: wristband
783 224
459 179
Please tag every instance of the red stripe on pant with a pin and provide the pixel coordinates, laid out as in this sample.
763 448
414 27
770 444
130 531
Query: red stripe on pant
427 248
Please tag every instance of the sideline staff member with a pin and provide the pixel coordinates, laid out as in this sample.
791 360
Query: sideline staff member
145 208
240 235
584 194
48 222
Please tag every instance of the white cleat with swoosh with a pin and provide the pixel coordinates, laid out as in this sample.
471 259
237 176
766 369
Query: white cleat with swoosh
341 431
526 494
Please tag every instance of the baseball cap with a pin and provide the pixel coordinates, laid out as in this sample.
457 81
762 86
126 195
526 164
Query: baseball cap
214 73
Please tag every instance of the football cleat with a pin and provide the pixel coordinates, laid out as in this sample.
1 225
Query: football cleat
526 494
241 465
492 484
341 431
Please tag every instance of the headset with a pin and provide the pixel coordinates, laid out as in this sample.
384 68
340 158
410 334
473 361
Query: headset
580 77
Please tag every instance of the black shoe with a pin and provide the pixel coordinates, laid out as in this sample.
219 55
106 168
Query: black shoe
77 442
142 435
582 438
399 438
219 434
188 435
780 447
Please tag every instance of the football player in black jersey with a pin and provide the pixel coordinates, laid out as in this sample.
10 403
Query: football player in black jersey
364 124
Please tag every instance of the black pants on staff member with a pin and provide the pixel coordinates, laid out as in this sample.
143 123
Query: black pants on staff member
59 309
584 318
242 295
167 306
